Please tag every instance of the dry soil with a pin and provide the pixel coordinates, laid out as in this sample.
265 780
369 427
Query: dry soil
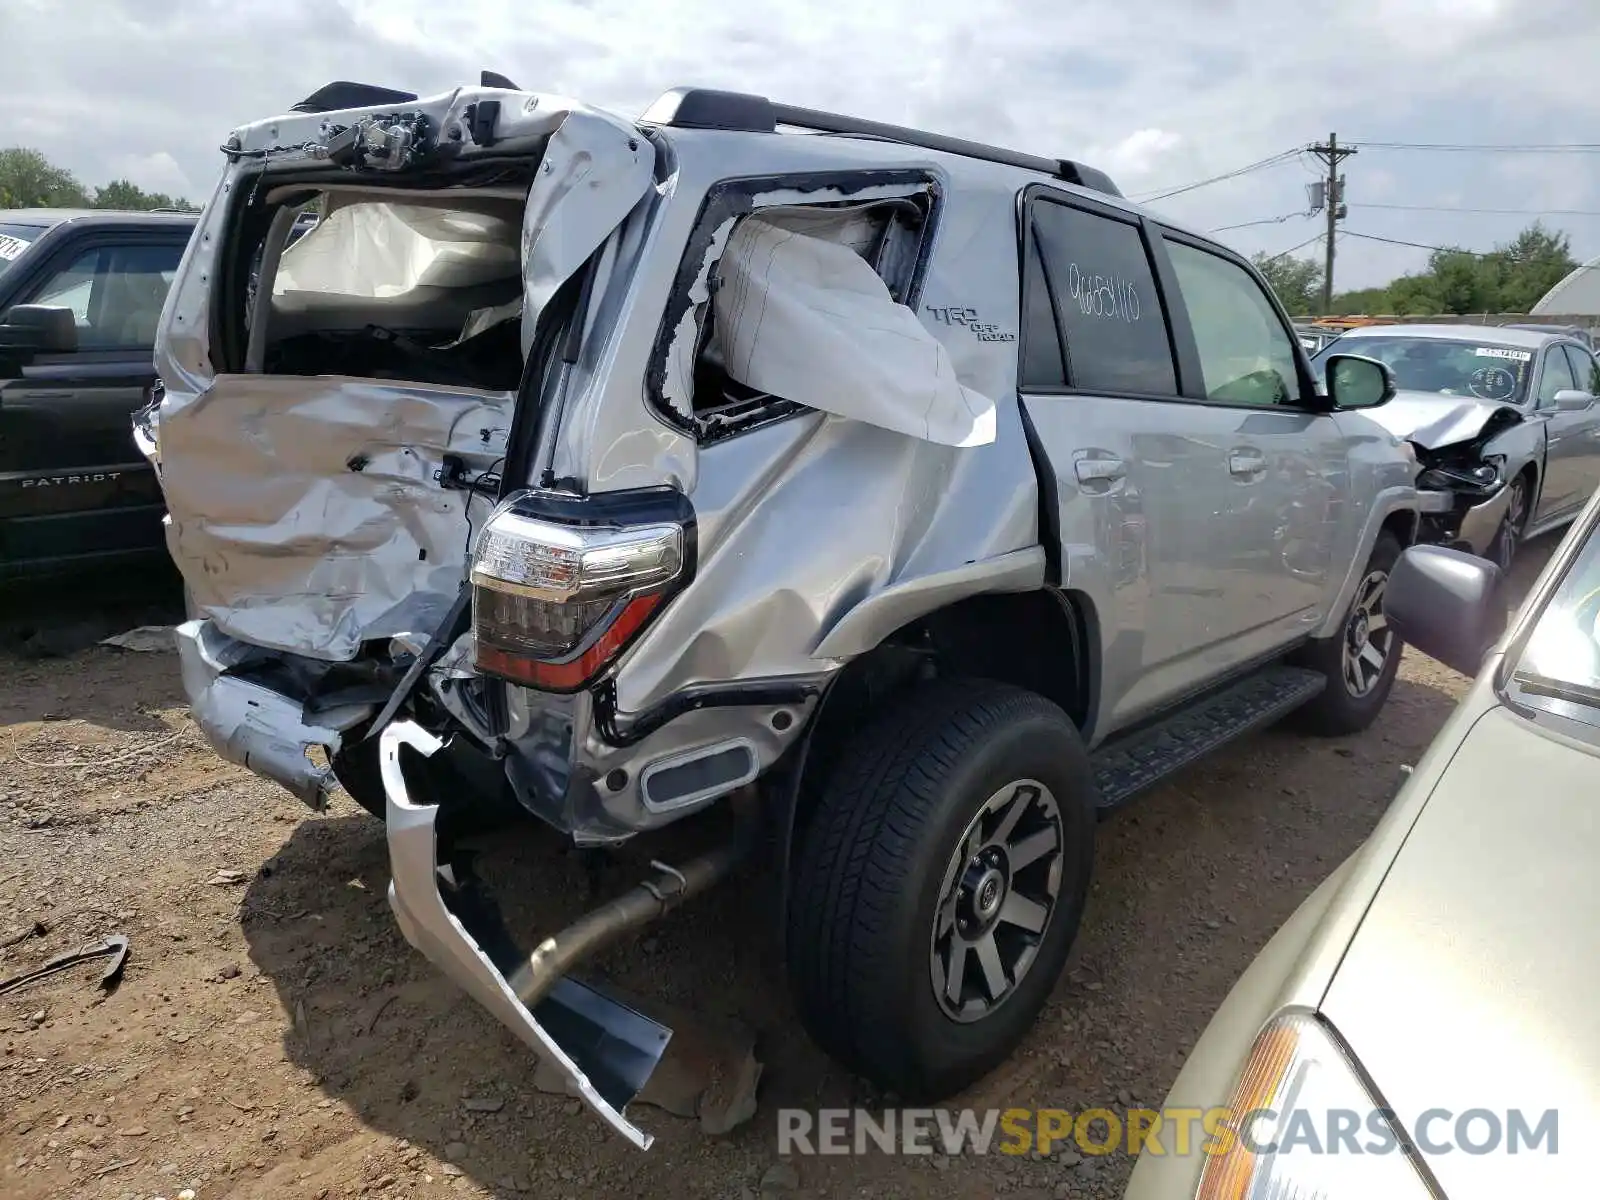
274 1035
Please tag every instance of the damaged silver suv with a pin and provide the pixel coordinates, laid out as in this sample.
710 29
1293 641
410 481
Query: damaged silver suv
899 502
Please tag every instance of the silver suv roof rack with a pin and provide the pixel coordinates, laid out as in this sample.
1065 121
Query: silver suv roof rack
708 108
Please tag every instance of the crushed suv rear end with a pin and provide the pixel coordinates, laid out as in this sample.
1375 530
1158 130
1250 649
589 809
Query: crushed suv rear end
488 468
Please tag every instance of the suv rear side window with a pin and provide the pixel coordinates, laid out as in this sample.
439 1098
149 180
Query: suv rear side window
1093 273
1246 354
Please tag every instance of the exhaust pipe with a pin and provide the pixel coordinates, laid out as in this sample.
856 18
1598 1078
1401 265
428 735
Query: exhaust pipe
645 902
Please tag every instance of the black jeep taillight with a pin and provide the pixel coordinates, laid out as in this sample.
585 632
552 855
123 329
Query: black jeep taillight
553 604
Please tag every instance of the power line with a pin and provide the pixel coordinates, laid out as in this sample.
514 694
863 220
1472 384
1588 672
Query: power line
1485 147
1316 237
1258 165
1262 221
1372 237
1509 212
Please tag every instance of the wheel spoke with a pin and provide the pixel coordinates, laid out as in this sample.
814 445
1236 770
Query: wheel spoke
1032 848
947 918
1371 656
994 971
1018 910
1376 623
974 842
1021 800
955 969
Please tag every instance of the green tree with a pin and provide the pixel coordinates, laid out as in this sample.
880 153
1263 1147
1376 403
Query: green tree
1510 278
1530 265
30 180
1297 281
122 194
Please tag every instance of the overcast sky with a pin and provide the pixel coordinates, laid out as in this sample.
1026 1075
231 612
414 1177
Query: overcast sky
1160 93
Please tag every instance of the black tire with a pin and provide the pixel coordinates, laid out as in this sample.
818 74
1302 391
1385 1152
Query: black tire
1340 708
873 865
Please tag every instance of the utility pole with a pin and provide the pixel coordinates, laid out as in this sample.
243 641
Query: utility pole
1330 153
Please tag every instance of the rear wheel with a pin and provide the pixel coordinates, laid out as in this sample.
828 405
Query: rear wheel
939 885
1361 660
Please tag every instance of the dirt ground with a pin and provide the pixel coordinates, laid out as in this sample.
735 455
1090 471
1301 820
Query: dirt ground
274 1036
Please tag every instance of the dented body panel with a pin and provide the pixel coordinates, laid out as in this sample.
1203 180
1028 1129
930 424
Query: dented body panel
794 362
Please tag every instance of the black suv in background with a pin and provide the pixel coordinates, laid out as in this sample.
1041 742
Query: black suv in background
81 294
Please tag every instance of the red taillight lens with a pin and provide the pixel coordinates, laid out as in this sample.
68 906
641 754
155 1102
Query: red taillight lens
553 604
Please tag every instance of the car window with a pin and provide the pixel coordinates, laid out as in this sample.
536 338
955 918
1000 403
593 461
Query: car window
1246 354
1095 284
1042 362
1585 369
14 241
1556 377
115 293
1563 645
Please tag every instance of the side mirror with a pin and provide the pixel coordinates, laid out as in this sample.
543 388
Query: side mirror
39 329
1447 604
1572 400
1355 381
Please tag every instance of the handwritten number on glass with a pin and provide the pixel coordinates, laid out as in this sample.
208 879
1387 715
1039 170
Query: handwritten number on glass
1106 296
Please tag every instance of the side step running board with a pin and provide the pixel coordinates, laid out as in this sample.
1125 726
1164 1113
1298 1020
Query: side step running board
1129 765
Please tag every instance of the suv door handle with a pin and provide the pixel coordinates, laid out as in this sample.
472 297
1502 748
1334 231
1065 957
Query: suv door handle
1099 470
1246 462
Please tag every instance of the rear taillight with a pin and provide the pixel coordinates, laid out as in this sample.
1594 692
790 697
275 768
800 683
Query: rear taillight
553 604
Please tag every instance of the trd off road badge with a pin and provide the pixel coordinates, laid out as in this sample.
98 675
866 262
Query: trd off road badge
968 318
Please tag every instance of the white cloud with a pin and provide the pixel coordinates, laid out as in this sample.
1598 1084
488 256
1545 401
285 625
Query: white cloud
1135 156
157 172
1162 93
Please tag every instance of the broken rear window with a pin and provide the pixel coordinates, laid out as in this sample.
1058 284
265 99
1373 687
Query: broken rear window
421 288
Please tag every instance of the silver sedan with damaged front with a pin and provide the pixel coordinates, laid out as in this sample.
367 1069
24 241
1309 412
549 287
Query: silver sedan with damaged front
1505 421
883 504
1422 1027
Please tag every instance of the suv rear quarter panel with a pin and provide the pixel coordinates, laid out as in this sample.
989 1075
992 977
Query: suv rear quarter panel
809 519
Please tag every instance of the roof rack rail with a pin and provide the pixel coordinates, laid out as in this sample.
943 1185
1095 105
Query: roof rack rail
708 108
341 93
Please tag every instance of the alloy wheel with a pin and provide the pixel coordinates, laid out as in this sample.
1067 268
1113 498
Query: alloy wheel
1368 640
996 900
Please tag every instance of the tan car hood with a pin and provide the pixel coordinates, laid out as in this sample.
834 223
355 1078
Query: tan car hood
1471 983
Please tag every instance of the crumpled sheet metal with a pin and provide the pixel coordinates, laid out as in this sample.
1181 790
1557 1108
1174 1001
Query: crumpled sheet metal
807 318
285 543
281 542
1433 420
782 510
593 174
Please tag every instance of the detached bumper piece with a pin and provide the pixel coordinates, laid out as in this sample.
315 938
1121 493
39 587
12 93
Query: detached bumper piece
1463 512
606 1050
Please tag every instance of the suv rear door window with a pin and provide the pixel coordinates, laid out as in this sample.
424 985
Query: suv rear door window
1094 273
1246 354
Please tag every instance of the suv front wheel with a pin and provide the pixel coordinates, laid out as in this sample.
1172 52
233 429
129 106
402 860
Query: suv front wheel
939 885
1361 660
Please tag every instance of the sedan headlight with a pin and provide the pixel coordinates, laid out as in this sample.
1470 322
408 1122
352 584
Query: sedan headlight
1304 1126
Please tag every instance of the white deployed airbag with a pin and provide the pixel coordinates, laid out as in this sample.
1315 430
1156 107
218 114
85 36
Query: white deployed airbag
810 320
